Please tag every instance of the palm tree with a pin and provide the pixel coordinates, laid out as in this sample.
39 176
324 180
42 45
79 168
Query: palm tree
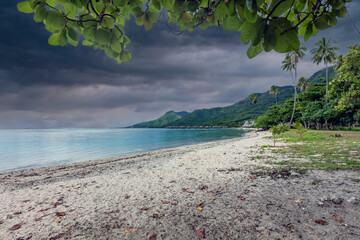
290 64
253 99
274 91
303 84
324 52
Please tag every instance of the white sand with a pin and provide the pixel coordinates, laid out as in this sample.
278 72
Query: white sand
157 193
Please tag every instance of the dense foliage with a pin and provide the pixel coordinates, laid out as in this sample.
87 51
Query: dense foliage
264 24
318 110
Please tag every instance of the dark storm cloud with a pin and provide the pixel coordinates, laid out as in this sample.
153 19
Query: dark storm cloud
46 86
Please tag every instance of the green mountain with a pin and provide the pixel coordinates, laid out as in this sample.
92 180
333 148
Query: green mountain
165 119
236 114
231 116
317 77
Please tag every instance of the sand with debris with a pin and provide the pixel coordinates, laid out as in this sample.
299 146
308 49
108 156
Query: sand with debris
200 191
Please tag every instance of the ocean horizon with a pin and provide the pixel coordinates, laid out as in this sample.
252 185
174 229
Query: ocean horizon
22 149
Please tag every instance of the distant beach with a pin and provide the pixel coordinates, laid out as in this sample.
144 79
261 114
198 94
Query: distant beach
212 190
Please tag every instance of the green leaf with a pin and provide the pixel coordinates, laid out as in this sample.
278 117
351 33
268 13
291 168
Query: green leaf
322 22
40 13
54 39
34 3
252 32
115 45
269 38
285 42
70 10
281 8
168 4
204 3
125 56
156 4
55 20
240 11
220 11
87 43
331 18
253 51
72 33
251 5
89 33
24 7
232 23
308 32
51 3
62 38
108 22
102 36
250 16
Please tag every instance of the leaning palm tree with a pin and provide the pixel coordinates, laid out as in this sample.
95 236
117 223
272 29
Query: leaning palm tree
290 64
303 84
274 91
324 52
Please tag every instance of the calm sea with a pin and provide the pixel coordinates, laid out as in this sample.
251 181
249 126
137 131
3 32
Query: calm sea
25 149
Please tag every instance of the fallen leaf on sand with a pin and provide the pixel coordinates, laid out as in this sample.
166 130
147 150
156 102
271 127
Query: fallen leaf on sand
200 233
130 229
191 192
242 198
165 202
1 222
199 209
252 177
157 216
69 228
127 173
212 198
60 214
171 182
15 227
127 196
56 204
173 203
203 187
144 208
184 189
59 220
337 219
298 201
43 210
201 204
107 212
71 210
152 236
321 222
26 200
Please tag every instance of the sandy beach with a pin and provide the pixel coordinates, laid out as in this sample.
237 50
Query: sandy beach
211 191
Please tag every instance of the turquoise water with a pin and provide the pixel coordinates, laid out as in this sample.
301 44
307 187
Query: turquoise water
34 148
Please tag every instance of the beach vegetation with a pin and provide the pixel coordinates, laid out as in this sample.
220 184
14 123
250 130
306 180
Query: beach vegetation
277 130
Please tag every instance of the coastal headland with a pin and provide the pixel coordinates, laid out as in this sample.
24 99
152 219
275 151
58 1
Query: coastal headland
207 191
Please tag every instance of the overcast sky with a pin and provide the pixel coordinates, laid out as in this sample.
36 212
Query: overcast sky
43 86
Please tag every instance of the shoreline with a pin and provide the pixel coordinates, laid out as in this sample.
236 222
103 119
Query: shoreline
248 133
208 190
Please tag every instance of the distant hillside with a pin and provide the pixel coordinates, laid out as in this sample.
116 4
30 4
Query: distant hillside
234 115
316 77
165 119
231 116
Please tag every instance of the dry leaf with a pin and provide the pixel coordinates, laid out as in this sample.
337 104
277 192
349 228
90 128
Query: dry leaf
144 209
60 214
26 200
56 204
184 189
174 204
130 229
71 210
1 222
242 198
298 201
43 210
165 202
15 227
321 222
191 192
203 187
127 196
171 182
337 219
59 220
201 204
108 212
200 233
212 198
152 236
199 209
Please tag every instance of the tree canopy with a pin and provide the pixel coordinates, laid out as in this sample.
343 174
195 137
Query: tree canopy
264 24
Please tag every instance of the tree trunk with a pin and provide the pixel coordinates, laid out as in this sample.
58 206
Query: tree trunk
326 125
295 94
327 78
